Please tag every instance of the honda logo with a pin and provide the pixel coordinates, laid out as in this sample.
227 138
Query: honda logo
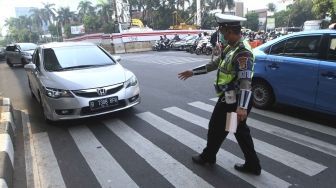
101 91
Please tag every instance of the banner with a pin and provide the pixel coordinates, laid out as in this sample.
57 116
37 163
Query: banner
270 23
75 30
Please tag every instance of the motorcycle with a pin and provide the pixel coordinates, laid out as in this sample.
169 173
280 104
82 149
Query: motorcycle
203 47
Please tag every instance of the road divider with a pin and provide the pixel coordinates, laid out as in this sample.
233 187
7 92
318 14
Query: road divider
7 135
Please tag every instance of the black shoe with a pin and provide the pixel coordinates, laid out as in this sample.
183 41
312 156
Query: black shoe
201 161
248 169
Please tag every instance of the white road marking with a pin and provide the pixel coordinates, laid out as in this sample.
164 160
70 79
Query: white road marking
3 183
106 169
295 121
177 174
5 101
224 158
32 174
298 122
287 158
6 145
48 169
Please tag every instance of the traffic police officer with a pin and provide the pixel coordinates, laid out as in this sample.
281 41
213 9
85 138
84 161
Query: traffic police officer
233 86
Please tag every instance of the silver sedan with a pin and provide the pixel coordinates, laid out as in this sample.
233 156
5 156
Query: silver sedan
76 80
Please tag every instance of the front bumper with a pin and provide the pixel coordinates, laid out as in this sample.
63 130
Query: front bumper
78 107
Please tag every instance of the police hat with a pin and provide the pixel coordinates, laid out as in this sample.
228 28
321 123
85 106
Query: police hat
226 20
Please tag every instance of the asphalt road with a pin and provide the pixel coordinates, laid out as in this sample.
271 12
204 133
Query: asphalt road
140 147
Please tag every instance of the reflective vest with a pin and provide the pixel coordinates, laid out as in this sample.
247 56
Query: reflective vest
226 73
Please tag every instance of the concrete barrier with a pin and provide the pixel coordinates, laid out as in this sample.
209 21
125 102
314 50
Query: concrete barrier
7 135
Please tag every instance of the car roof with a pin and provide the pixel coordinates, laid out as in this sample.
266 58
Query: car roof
65 44
311 32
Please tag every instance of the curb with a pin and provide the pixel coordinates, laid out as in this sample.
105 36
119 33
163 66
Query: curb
7 135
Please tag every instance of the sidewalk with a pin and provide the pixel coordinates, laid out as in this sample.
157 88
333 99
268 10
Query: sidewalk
7 134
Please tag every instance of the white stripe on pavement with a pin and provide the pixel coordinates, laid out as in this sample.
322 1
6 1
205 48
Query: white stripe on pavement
298 122
295 121
307 141
177 174
32 173
6 145
3 183
106 169
289 159
5 101
48 169
313 143
224 158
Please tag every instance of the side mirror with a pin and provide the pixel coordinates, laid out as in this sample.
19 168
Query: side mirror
117 58
30 66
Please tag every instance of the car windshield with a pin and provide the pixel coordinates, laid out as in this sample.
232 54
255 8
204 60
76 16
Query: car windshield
76 57
27 46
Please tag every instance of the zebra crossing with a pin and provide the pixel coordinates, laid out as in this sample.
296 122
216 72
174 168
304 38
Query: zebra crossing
109 171
163 59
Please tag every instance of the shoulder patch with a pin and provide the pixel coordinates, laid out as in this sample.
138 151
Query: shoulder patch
242 63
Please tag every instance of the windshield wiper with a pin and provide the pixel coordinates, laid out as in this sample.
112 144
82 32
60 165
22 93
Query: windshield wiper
77 67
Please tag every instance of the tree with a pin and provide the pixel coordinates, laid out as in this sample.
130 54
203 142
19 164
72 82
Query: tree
271 7
38 18
252 21
49 12
84 8
281 18
323 8
299 12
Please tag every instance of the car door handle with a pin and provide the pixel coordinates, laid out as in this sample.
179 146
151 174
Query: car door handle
329 75
273 66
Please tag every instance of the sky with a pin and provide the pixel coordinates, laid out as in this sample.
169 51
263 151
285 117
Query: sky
7 6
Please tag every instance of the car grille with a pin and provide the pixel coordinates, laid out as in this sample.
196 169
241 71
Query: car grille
87 110
91 93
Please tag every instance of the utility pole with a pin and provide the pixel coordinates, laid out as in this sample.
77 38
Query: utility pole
198 13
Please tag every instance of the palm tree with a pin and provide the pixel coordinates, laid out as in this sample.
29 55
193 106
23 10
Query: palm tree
223 4
65 15
49 12
105 11
271 7
84 7
38 18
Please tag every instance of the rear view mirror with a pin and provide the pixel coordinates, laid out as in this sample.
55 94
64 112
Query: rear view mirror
30 66
117 58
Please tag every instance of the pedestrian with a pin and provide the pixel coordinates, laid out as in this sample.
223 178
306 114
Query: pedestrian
233 86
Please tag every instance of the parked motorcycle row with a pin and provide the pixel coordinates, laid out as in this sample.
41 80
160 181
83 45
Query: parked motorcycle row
192 44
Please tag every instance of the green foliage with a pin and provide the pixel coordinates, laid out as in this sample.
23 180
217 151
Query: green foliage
108 27
67 30
281 18
91 23
209 21
54 30
323 8
252 21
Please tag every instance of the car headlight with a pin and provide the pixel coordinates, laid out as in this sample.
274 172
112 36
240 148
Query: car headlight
57 93
131 82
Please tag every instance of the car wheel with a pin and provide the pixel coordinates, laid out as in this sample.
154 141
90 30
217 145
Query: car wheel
263 96
198 52
9 63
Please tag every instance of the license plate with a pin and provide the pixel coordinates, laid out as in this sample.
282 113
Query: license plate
103 103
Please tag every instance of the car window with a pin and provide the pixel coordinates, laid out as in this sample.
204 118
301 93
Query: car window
278 49
303 47
332 49
10 48
27 46
56 59
36 59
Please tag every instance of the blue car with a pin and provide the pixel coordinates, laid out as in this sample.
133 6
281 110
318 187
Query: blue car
297 69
